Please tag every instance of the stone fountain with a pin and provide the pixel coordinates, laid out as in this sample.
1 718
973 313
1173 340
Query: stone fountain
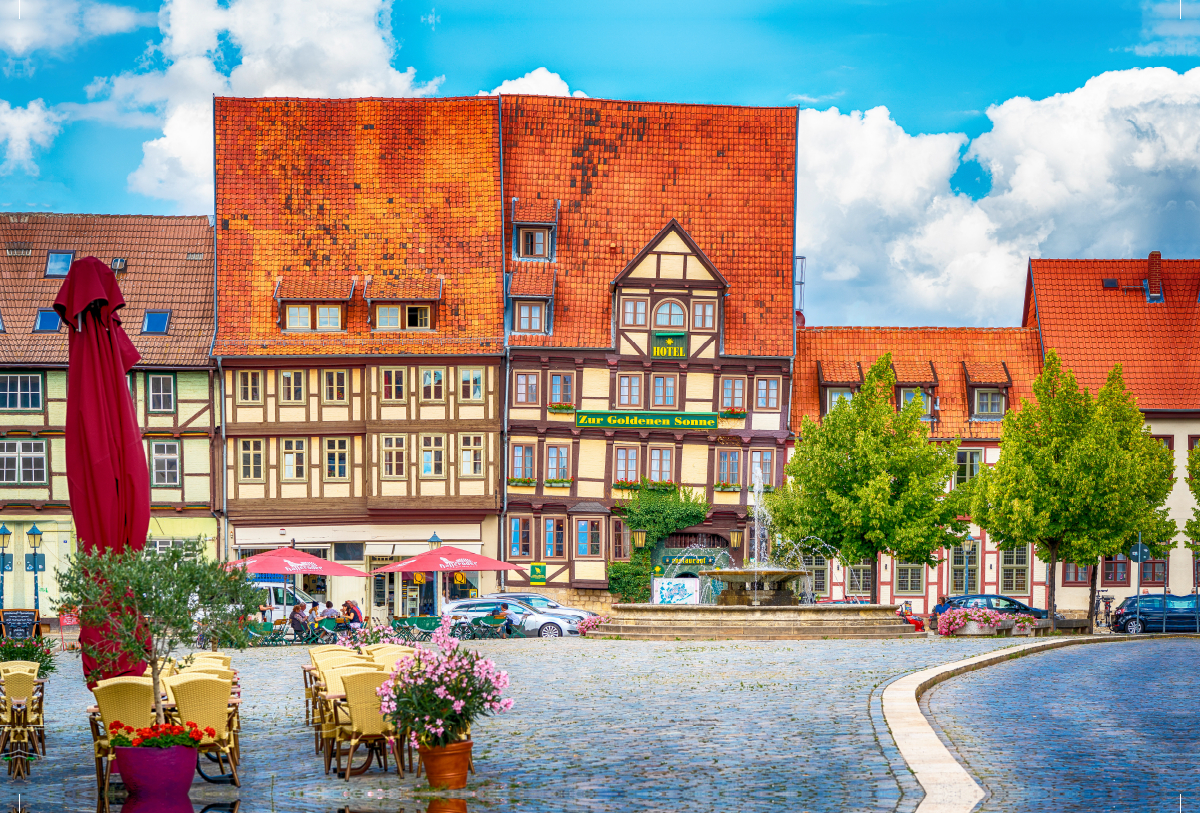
762 587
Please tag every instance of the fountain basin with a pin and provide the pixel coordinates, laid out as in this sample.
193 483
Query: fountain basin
709 622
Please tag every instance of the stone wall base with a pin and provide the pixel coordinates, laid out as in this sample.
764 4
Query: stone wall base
596 601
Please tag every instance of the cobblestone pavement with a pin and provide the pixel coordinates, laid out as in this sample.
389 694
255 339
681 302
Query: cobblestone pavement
1085 728
604 726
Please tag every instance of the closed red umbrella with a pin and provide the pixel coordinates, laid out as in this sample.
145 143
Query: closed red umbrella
288 561
446 559
107 476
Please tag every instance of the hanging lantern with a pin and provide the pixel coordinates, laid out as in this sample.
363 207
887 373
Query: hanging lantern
639 538
735 538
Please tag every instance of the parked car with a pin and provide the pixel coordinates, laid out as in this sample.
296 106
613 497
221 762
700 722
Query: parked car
1138 614
1001 604
531 621
544 603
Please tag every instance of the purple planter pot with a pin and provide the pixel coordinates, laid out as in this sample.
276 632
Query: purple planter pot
157 779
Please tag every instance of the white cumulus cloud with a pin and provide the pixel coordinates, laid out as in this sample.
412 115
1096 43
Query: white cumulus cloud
308 48
23 128
55 25
538 82
1111 169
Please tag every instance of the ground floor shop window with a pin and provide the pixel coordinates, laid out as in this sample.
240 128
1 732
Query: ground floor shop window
1154 572
463 584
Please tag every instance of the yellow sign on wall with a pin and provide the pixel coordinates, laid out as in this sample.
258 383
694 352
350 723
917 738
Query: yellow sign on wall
537 574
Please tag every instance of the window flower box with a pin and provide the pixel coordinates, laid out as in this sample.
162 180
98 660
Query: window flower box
560 407
726 487
659 485
733 412
522 481
560 482
628 485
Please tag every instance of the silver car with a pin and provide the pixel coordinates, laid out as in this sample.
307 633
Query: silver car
532 622
543 603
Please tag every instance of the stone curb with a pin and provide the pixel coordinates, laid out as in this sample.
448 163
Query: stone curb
947 785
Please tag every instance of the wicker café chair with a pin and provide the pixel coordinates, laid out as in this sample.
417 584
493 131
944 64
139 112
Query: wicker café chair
205 701
359 721
15 666
309 674
142 681
19 721
213 656
130 703
216 671
330 694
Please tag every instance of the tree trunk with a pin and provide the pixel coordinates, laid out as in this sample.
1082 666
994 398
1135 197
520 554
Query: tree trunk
875 579
155 670
1053 578
1092 599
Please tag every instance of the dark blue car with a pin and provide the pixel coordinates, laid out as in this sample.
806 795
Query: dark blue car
1158 613
1001 604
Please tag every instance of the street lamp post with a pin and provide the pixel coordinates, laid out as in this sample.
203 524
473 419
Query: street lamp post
5 558
35 542
436 542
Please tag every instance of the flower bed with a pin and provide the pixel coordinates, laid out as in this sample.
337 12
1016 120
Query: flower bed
522 481
954 620
591 622
560 407
559 482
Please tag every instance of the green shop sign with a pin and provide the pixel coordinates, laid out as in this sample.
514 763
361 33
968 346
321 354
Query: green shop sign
669 346
707 561
647 420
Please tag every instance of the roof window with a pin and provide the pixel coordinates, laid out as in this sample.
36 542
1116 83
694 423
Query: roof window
118 264
19 249
58 263
195 255
1 323
47 321
156 322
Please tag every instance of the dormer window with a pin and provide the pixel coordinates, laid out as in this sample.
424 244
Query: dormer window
535 243
418 317
989 403
299 317
670 314
835 394
909 394
329 317
323 317
530 317
387 317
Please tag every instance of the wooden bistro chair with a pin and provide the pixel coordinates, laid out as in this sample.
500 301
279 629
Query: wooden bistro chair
206 702
132 704
359 721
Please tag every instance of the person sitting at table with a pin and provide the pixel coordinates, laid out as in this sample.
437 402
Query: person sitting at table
298 620
329 612
314 612
352 615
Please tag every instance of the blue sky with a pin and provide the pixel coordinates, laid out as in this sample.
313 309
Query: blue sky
928 200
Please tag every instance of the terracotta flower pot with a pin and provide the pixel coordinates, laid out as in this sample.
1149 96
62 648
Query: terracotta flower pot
446 766
157 779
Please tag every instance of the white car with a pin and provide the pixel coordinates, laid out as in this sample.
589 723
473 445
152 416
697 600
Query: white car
543 603
533 623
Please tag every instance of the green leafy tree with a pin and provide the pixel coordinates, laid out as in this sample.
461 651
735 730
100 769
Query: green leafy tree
1078 477
866 480
149 605
660 512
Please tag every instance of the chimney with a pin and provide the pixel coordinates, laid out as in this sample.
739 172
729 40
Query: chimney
1154 276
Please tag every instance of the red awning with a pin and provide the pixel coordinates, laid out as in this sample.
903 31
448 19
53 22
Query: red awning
289 561
446 559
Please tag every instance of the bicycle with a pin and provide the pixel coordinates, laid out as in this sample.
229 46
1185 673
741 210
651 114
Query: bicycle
1103 618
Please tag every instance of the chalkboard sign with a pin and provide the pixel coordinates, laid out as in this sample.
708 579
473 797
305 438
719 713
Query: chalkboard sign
19 623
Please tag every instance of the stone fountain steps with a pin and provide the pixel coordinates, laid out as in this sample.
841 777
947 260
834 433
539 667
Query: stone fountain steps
774 632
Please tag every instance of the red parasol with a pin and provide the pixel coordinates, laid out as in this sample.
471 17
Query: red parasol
107 477
289 561
446 559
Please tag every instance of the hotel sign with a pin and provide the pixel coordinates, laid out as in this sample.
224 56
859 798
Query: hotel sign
647 420
669 345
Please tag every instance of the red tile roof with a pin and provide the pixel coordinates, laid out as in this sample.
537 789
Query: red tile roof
395 286
532 279
1093 327
327 190
623 169
910 371
532 210
158 276
945 349
314 287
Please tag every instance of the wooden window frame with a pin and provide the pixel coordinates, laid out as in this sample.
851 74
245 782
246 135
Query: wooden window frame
476 450
19 455
302 453
569 380
969 569
654 325
326 450
909 568
1077 581
660 448
41 390
674 379
729 454
401 316
396 450
433 397
621 540
977 391
860 572
633 300
926 398
1151 581
407 309
155 457
819 566
241 460
698 304
256 377
522 231
524 323
520 536
1106 580
528 466
285 389
637 465
465 379
958 478
521 381
733 380
341 318
594 525
564 469
558 548
150 393
759 381
1166 440
768 472
1014 567
433 450
641 387
827 396
288 308
345 385
394 398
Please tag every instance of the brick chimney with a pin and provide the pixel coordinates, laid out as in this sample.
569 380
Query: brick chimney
1154 275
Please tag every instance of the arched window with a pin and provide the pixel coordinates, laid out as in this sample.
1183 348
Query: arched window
669 314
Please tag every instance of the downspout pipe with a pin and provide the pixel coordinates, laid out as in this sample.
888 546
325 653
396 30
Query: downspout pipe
504 362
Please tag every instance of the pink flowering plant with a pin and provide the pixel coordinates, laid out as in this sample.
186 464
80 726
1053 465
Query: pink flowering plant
436 694
1024 621
952 620
591 622
369 636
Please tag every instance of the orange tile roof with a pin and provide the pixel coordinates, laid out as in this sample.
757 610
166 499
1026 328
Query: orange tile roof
839 371
1093 327
987 372
910 371
623 169
947 349
532 210
315 287
396 286
532 279
158 276
331 189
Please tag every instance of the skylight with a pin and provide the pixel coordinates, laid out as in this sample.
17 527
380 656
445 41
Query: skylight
156 321
58 263
47 321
